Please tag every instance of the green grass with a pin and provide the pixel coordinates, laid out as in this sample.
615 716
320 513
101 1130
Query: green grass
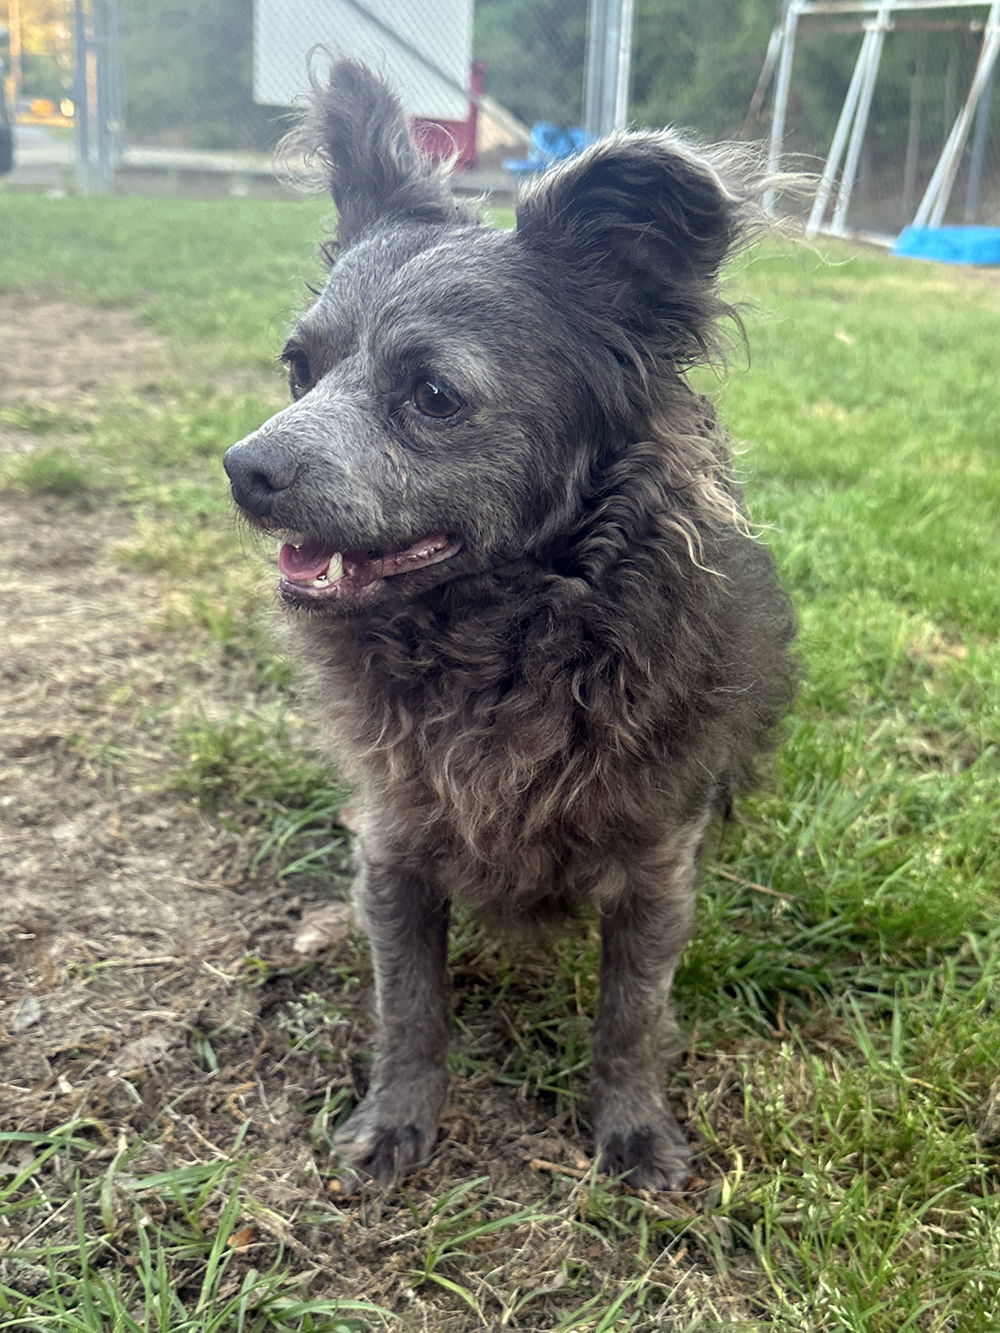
841 996
218 277
188 1230
53 472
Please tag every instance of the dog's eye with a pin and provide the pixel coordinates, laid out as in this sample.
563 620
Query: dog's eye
299 371
436 398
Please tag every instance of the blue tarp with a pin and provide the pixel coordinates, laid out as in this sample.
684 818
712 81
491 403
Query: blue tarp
950 245
549 143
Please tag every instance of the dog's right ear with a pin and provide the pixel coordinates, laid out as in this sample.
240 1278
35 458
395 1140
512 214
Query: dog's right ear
375 171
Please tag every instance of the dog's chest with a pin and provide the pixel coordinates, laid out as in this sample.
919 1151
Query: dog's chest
493 760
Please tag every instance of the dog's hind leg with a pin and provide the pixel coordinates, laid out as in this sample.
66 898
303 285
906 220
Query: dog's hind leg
643 933
407 923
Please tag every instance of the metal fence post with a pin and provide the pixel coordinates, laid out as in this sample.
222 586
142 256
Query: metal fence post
609 63
873 41
782 84
81 97
97 93
102 91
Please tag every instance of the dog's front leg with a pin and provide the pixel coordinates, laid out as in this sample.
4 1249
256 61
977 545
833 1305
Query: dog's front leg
407 923
642 938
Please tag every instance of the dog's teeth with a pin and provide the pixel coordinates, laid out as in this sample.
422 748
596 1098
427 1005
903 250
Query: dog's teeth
333 571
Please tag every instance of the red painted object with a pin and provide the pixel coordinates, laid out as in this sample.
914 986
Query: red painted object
453 138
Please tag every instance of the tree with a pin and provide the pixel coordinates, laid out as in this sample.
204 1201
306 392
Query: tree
41 43
694 64
534 55
189 73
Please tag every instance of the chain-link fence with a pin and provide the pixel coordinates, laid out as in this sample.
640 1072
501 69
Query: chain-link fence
425 51
503 83
220 75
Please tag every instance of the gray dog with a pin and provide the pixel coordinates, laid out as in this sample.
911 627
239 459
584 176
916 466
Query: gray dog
547 648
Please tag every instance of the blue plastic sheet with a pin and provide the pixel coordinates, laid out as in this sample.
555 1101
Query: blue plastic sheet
549 143
950 245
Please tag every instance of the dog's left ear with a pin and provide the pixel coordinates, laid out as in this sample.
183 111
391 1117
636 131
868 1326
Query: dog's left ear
639 225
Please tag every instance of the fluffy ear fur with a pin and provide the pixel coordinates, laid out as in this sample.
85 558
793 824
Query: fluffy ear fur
375 172
640 225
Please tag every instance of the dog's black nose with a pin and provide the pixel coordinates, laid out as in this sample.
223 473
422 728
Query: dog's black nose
257 473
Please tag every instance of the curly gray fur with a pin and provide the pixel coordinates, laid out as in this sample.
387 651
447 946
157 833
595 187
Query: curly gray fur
553 650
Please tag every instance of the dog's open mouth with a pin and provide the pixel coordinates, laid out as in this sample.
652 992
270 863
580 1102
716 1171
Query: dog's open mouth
312 571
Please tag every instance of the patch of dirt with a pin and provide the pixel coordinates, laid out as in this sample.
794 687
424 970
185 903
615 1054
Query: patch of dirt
61 360
129 913
56 354
79 664
125 902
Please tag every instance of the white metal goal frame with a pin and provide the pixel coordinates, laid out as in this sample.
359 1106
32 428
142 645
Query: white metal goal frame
875 18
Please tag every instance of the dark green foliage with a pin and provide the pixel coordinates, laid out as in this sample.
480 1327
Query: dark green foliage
44 75
534 54
692 64
697 65
189 74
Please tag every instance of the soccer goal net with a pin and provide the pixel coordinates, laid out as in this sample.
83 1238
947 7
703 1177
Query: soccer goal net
891 105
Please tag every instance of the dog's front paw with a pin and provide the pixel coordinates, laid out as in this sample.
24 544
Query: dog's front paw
392 1131
650 1156
382 1151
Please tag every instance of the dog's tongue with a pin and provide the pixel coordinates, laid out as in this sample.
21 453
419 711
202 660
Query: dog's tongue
305 562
